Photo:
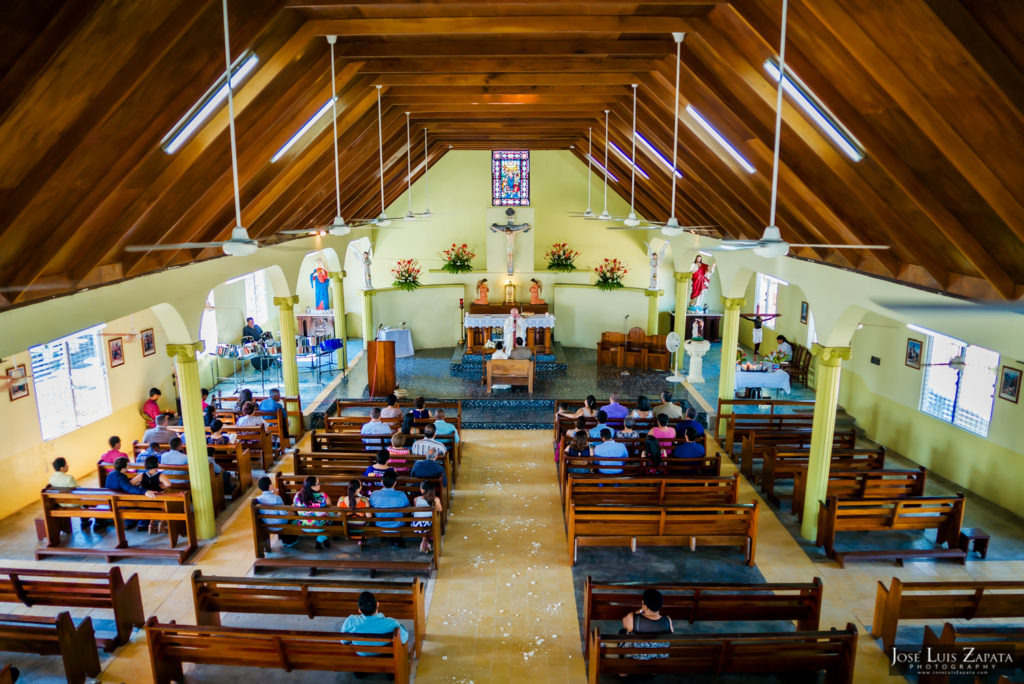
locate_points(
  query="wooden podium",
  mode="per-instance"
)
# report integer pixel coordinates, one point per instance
(380, 368)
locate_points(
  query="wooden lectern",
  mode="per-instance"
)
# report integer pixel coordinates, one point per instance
(381, 368)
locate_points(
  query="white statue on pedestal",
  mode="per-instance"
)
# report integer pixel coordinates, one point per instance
(365, 258)
(655, 258)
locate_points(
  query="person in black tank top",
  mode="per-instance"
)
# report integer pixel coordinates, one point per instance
(152, 480)
(648, 620)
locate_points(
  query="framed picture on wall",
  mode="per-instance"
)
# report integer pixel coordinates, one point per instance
(116, 347)
(914, 348)
(17, 380)
(1009, 384)
(803, 312)
(148, 342)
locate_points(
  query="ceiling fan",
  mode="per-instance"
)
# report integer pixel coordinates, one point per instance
(382, 221)
(957, 363)
(588, 214)
(771, 243)
(410, 215)
(338, 227)
(239, 244)
(426, 176)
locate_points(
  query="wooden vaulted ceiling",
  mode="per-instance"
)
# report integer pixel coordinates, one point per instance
(932, 89)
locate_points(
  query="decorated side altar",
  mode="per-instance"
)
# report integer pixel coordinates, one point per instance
(484, 327)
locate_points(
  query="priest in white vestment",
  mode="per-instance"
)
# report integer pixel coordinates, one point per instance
(515, 326)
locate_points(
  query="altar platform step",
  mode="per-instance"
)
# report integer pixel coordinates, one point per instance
(507, 411)
(471, 365)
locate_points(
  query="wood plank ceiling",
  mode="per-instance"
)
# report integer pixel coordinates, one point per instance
(932, 89)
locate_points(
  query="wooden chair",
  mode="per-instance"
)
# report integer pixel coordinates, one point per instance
(171, 645)
(54, 636)
(800, 365)
(658, 356)
(610, 349)
(510, 372)
(635, 352)
(70, 589)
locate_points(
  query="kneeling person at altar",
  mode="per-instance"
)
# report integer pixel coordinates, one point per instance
(520, 351)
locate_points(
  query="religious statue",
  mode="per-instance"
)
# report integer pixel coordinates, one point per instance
(320, 281)
(510, 229)
(367, 282)
(481, 291)
(535, 288)
(700, 280)
(655, 257)
(697, 331)
(513, 327)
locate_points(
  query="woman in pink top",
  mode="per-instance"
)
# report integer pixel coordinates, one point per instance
(398, 449)
(663, 432)
(115, 451)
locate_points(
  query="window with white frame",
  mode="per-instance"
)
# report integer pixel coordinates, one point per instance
(208, 325)
(70, 380)
(256, 296)
(767, 297)
(962, 397)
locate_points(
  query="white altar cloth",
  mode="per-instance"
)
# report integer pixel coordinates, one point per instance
(776, 379)
(498, 320)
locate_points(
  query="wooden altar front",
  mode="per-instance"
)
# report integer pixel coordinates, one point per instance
(507, 308)
(538, 339)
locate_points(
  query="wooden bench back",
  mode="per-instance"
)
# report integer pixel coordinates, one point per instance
(353, 464)
(510, 367)
(862, 484)
(780, 653)
(171, 645)
(942, 601)
(740, 423)
(177, 474)
(781, 463)
(637, 466)
(755, 444)
(54, 636)
(604, 490)
(452, 408)
(942, 513)
(352, 424)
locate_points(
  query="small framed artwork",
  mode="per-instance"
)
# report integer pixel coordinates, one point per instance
(17, 382)
(116, 347)
(148, 342)
(1009, 384)
(803, 312)
(914, 348)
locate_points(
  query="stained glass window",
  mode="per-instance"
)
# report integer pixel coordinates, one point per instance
(510, 178)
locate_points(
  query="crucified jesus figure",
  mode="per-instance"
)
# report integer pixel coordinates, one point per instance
(510, 229)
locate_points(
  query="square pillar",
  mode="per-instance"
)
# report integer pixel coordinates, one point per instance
(340, 324)
(289, 364)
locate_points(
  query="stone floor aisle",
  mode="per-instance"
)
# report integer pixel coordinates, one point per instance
(502, 607)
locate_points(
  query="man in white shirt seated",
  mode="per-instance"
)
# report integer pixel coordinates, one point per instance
(499, 352)
(375, 427)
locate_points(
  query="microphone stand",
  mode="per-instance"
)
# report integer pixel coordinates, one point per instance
(624, 323)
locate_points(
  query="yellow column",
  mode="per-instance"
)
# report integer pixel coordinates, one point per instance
(340, 325)
(187, 368)
(826, 400)
(367, 319)
(682, 298)
(652, 310)
(289, 365)
(730, 340)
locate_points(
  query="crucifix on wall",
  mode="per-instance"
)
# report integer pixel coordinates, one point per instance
(510, 229)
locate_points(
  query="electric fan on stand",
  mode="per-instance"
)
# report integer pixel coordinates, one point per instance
(672, 343)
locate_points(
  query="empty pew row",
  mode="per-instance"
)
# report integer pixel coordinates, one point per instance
(76, 645)
(741, 423)
(862, 484)
(757, 443)
(719, 525)
(314, 598)
(1002, 643)
(606, 490)
(944, 514)
(782, 464)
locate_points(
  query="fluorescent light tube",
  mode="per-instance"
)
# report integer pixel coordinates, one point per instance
(658, 155)
(719, 139)
(302, 131)
(191, 122)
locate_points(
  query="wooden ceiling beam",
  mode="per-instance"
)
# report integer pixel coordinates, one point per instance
(503, 26)
(405, 49)
(601, 92)
(467, 5)
(469, 65)
(505, 80)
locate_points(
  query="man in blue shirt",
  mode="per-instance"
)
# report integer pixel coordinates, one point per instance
(611, 452)
(369, 620)
(376, 428)
(689, 448)
(269, 497)
(429, 468)
(690, 422)
(441, 427)
(595, 432)
(389, 497)
(117, 481)
(614, 410)
(273, 402)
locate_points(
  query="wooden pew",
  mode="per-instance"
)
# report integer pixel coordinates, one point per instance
(783, 464)
(171, 645)
(452, 407)
(314, 598)
(726, 412)
(7, 675)
(337, 522)
(510, 372)
(352, 424)
(233, 457)
(69, 589)
(563, 425)
(741, 423)
(352, 464)
(177, 474)
(102, 504)
(863, 484)
(605, 490)
(336, 487)
(355, 442)
(663, 526)
(277, 423)
(709, 466)
(1004, 638)
(942, 600)
(757, 443)
(780, 653)
(708, 602)
(292, 409)
(945, 514)
(54, 636)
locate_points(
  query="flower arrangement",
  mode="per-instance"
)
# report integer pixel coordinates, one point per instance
(458, 259)
(609, 274)
(561, 257)
(776, 356)
(741, 358)
(407, 274)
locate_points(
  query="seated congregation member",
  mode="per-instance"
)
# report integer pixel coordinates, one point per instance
(273, 402)
(611, 453)
(443, 427)
(268, 496)
(663, 432)
(579, 447)
(380, 466)
(419, 410)
(500, 353)
(244, 396)
(628, 430)
(429, 468)
(61, 479)
(398, 451)
(648, 620)
(409, 426)
(353, 501)
(643, 408)
(151, 409)
(251, 330)
(374, 427)
(392, 410)
(785, 348)
(564, 411)
(602, 419)
(249, 417)
(117, 481)
(370, 620)
(174, 456)
(690, 422)
(520, 351)
(311, 497)
(589, 408)
(150, 450)
(426, 499)
(667, 407)
(159, 434)
(690, 448)
(655, 454)
(217, 434)
(427, 443)
(581, 426)
(152, 480)
(389, 497)
(209, 415)
(614, 410)
(115, 451)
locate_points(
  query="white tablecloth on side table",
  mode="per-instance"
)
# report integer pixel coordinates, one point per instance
(402, 337)
(776, 379)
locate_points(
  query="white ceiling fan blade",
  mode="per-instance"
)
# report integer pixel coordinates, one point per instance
(793, 244)
(172, 246)
(958, 307)
(308, 231)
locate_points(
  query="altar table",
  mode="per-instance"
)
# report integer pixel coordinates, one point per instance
(479, 327)
(776, 379)
(402, 337)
